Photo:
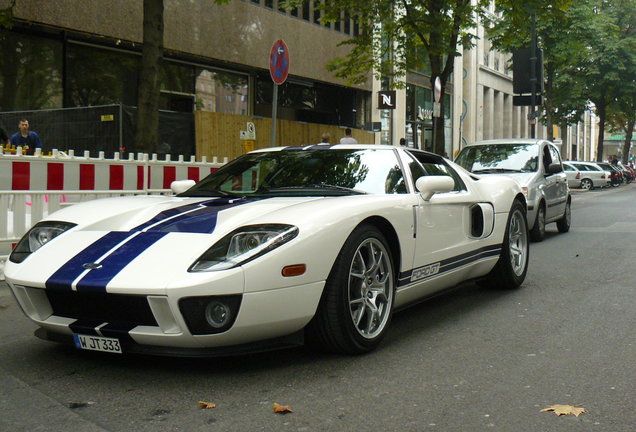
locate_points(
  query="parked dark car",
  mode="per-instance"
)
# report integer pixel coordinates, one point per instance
(628, 173)
(616, 176)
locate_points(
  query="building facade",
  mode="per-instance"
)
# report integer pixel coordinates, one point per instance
(59, 55)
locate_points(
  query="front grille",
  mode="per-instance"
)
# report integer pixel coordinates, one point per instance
(111, 308)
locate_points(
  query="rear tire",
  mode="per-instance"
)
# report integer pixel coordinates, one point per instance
(512, 267)
(537, 233)
(587, 184)
(357, 303)
(563, 224)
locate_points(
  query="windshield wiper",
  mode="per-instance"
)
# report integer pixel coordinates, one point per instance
(310, 188)
(213, 193)
(496, 170)
(336, 187)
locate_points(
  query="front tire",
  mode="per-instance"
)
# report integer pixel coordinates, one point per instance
(512, 267)
(563, 224)
(586, 184)
(357, 303)
(537, 233)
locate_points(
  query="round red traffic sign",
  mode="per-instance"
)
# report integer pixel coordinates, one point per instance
(279, 62)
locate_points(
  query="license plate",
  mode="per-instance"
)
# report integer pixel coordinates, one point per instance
(97, 343)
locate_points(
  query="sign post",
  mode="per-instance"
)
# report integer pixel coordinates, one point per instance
(437, 96)
(278, 70)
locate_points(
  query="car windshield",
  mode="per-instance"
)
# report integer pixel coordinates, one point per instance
(499, 158)
(314, 172)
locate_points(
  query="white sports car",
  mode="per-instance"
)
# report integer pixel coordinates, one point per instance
(324, 241)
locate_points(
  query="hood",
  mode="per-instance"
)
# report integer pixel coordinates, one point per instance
(165, 234)
(170, 214)
(524, 178)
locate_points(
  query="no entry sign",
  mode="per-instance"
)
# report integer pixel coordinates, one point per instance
(279, 62)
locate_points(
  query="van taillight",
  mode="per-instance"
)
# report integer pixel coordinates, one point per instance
(578, 175)
(603, 176)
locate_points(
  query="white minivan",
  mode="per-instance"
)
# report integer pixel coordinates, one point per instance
(536, 165)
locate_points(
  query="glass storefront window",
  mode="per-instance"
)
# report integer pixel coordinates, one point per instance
(30, 72)
(177, 77)
(98, 76)
(221, 91)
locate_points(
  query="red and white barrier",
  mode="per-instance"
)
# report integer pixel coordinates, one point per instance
(31, 187)
(67, 172)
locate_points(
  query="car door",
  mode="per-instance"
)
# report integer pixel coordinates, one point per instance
(444, 251)
(556, 185)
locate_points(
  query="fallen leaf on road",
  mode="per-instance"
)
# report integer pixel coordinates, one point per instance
(207, 405)
(282, 409)
(565, 410)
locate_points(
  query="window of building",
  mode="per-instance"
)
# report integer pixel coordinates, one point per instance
(337, 24)
(347, 23)
(306, 10)
(269, 4)
(313, 102)
(221, 91)
(31, 72)
(97, 76)
(317, 12)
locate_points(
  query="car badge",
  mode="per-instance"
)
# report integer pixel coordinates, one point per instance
(92, 266)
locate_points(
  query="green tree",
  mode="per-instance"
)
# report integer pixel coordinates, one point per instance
(608, 65)
(558, 29)
(391, 32)
(6, 15)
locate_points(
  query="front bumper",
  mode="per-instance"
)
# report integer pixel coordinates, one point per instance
(289, 341)
(155, 324)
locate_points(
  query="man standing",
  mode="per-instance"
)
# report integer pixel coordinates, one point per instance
(348, 139)
(26, 139)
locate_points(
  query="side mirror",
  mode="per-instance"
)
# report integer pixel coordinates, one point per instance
(180, 186)
(430, 185)
(554, 168)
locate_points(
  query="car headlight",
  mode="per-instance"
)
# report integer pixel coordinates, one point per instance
(243, 245)
(38, 236)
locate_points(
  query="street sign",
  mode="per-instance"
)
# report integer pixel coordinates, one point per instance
(279, 62)
(386, 99)
(525, 100)
(250, 133)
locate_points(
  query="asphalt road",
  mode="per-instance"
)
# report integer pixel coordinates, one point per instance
(472, 360)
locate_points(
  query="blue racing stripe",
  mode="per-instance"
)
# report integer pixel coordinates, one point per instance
(202, 220)
(96, 280)
(65, 275)
(200, 217)
(170, 213)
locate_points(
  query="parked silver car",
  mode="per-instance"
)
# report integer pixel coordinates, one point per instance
(573, 174)
(536, 165)
(592, 175)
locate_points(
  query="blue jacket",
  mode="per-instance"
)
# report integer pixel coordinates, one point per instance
(31, 141)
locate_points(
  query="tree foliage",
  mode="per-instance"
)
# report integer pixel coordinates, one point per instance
(400, 35)
(588, 46)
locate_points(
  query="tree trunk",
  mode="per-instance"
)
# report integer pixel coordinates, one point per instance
(565, 138)
(628, 139)
(549, 106)
(147, 131)
(600, 109)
